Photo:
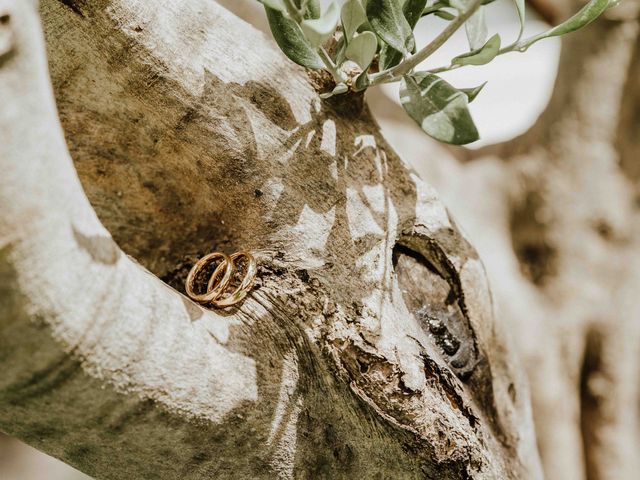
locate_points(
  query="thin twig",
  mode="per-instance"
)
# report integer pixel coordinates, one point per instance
(293, 11)
(331, 67)
(517, 46)
(410, 63)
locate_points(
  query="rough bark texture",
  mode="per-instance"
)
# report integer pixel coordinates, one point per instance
(554, 215)
(369, 349)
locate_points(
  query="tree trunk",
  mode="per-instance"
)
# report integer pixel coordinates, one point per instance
(554, 214)
(369, 348)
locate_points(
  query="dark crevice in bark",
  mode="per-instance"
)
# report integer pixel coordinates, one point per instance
(432, 370)
(431, 295)
(435, 302)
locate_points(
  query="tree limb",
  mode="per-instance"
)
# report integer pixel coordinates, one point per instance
(188, 140)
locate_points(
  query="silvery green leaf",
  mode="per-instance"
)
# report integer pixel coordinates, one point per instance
(389, 23)
(389, 57)
(362, 49)
(311, 8)
(412, 10)
(317, 30)
(472, 93)
(353, 16)
(476, 29)
(480, 56)
(435, 6)
(444, 15)
(341, 47)
(338, 89)
(437, 9)
(292, 41)
(585, 16)
(440, 109)
(362, 81)
(275, 5)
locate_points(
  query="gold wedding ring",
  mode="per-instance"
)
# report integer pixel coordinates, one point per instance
(216, 287)
(247, 281)
(214, 293)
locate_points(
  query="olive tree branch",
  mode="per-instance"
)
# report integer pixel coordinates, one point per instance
(518, 46)
(404, 67)
(331, 67)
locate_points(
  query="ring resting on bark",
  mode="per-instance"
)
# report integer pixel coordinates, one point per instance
(219, 281)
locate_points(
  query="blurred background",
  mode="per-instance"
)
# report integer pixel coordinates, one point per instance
(21, 462)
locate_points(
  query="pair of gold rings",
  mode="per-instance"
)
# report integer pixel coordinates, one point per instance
(217, 286)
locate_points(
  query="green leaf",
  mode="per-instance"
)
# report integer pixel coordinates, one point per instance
(362, 49)
(353, 16)
(476, 29)
(389, 23)
(585, 16)
(292, 41)
(338, 89)
(317, 30)
(480, 56)
(389, 57)
(472, 93)
(476, 26)
(435, 7)
(311, 7)
(341, 47)
(440, 109)
(412, 10)
(362, 81)
(444, 14)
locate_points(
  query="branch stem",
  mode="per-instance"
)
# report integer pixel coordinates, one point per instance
(298, 17)
(331, 67)
(293, 11)
(404, 67)
(518, 46)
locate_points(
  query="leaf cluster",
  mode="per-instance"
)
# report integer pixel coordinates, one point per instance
(368, 42)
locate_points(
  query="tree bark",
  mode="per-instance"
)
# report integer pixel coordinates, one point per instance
(554, 215)
(369, 348)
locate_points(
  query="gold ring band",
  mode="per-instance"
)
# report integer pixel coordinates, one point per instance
(225, 269)
(245, 286)
(212, 293)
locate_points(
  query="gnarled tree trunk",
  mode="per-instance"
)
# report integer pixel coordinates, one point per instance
(554, 215)
(369, 348)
